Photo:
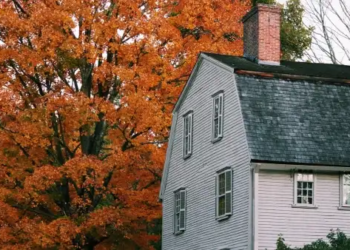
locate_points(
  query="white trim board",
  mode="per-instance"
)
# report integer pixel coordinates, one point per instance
(287, 167)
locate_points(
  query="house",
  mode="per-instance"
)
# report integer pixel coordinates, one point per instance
(258, 147)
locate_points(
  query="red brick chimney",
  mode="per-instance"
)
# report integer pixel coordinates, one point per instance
(262, 34)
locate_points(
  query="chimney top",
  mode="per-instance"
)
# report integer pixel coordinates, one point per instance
(262, 34)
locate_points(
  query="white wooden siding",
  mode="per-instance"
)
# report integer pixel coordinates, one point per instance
(197, 173)
(299, 226)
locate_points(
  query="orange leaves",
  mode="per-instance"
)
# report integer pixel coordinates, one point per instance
(42, 179)
(86, 94)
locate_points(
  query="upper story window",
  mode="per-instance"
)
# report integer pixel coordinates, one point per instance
(218, 110)
(304, 193)
(179, 210)
(187, 140)
(224, 193)
(345, 190)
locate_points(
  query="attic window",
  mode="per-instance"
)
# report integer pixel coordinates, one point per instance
(218, 110)
(187, 139)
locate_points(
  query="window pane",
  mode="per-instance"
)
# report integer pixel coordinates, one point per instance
(346, 195)
(228, 202)
(221, 183)
(346, 179)
(299, 200)
(182, 219)
(221, 205)
(182, 199)
(299, 177)
(216, 127)
(216, 107)
(310, 200)
(220, 126)
(228, 180)
(304, 184)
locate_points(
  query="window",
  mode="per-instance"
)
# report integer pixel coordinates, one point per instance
(305, 189)
(224, 193)
(188, 123)
(345, 190)
(218, 106)
(179, 211)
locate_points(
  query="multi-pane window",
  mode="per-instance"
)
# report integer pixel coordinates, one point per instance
(188, 124)
(305, 187)
(179, 211)
(346, 190)
(224, 193)
(218, 101)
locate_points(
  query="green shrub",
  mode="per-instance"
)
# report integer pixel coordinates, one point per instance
(337, 240)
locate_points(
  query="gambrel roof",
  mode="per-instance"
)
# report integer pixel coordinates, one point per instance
(293, 113)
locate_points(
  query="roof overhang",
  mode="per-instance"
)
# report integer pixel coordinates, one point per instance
(295, 166)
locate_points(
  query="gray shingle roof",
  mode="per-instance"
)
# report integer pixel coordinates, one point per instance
(287, 67)
(296, 121)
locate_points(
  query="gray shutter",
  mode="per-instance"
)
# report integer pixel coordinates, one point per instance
(182, 209)
(228, 195)
(191, 133)
(174, 213)
(221, 112)
(216, 195)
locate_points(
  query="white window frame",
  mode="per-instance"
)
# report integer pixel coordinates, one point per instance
(188, 138)
(304, 205)
(342, 182)
(220, 125)
(179, 210)
(229, 193)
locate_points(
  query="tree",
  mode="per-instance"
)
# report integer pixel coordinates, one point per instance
(331, 37)
(295, 36)
(86, 93)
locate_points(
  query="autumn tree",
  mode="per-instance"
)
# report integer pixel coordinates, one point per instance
(86, 92)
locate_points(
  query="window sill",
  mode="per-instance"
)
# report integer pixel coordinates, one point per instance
(179, 232)
(216, 139)
(187, 156)
(344, 208)
(304, 206)
(223, 217)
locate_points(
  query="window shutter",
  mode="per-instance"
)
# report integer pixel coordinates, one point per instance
(216, 196)
(190, 126)
(174, 213)
(228, 194)
(182, 209)
(221, 106)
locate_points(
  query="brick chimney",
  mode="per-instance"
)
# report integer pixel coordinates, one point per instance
(262, 34)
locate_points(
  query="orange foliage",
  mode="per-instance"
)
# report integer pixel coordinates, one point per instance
(86, 93)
